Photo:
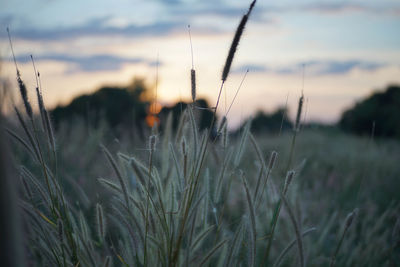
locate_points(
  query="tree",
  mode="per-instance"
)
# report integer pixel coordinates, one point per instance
(117, 106)
(202, 112)
(383, 108)
(263, 122)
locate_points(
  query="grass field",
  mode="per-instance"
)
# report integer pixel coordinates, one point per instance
(335, 173)
(308, 197)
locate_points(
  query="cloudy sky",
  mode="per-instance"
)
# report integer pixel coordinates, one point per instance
(348, 49)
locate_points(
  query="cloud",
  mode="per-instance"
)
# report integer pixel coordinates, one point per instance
(315, 67)
(176, 15)
(334, 8)
(205, 7)
(91, 63)
(99, 27)
(342, 67)
(223, 11)
(252, 68)
(6, 19)
(95, 29)
(226, 9)
(169, 2)
(337, 8)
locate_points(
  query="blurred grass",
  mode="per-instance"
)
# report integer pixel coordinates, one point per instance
(341, 172)
(338, 165)
(332, 167)
(186, 199)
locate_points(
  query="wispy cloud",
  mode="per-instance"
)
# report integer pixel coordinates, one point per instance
(342, 67)
(315, 67)
(205, 7)
(343, 7)
(335, 8)
(98, 27)
(252, 68)
(91, 29)
(176, 16)
(6, 19)
(225, 8)
(178, 13)
(91, 63)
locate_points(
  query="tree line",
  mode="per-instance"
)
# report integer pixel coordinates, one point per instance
(130, 107)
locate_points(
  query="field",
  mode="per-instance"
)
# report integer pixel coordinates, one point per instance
(335, 174)
(181, 196)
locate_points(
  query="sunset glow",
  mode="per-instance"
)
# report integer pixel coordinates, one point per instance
(349, 49)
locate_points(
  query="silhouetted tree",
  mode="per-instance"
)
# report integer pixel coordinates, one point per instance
(202, 113)
(271, 123)
(383, 108)
(117, 106)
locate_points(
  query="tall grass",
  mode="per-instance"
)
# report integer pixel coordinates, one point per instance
(187, 200)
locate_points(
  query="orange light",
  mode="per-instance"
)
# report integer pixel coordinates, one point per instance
(154, 108)
(151, 120)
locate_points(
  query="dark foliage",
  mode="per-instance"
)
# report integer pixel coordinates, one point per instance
(264, 122)
(202, 112)
(117, 106)
(383, 108)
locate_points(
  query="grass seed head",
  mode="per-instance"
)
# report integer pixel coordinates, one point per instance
(193, 83)
(298, 116)
(288, 180)
(24, 96)
(235, 42)
(272, 160)
(60, 231)
(184, 149)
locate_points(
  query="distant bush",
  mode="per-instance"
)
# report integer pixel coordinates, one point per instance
(270, 122)
(204, 113)
(114, 105)
(124, 108)
(383, 108)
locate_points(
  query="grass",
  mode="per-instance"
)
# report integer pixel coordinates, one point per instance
(321, 195)
(187, 199)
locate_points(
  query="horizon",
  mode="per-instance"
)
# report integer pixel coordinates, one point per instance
(349, 50)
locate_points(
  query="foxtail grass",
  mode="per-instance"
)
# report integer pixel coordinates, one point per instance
(193, 84)
(347, 224)
(179, 204)
(235, 42)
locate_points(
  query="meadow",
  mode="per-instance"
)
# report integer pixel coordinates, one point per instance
(335, 174)
(185, 197)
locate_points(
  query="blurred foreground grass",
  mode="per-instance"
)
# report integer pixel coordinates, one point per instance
(336, 173)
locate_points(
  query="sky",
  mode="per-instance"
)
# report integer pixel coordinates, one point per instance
(335, 52)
